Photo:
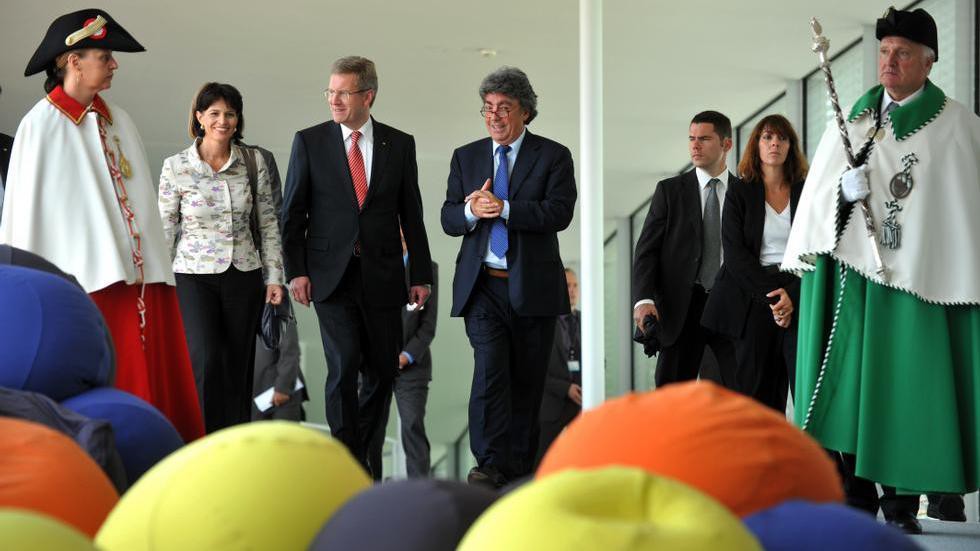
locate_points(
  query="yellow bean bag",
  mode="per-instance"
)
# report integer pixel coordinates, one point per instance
(612, 509)
(265, 485)
(22, 530)
(730, 447)
(45, 471)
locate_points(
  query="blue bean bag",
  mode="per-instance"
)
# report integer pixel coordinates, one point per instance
(803, 526)
(417, 515)
(52, 336)
(143, 435)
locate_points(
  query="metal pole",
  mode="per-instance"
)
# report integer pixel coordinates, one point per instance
(590, 202)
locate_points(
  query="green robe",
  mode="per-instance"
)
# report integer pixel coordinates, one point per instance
(900, 385)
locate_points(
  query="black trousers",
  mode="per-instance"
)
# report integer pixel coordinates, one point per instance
(221, 314)
(681, 361)
(510, 355)
(861, 493)
(765, 358)
(358, 339)
(411, 393)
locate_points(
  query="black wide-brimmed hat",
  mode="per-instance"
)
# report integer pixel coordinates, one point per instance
(89, 28)
(916, 25)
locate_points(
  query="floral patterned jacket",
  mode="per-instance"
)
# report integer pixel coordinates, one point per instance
(211, 211)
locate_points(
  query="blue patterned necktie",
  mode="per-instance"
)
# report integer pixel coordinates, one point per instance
(501, 189)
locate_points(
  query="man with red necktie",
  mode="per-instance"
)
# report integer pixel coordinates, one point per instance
(351, 182)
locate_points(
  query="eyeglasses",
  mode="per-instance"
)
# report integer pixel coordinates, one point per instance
(344, 94)
(501, 111)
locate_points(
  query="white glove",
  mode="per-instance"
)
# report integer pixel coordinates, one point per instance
(854, 184)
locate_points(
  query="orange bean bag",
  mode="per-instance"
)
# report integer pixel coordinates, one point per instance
(44, 471)
(730, 447)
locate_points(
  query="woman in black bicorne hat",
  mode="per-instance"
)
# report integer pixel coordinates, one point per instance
(79, 193)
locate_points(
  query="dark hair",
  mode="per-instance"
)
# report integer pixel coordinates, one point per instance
(57, 69)
(512, 82)
(361, 67)
(795, 167)
(723, 126)
(206, 96)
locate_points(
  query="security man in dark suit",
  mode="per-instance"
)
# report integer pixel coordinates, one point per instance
(508, 197)
(6, 144)
(562, 399)
(679, 253)
(351, 182)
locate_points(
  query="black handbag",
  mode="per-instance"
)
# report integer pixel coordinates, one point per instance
(270, 327)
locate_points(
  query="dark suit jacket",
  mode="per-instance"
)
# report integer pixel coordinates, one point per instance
(6, 144)
(668, 253)
(418, 330)
(555, 403)
(321, 222)
(742, 279)
(542, 201)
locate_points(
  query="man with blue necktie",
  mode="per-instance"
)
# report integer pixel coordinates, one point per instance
(508, 197)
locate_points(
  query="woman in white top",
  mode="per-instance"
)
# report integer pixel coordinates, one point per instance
(752, 301)
(227, 261)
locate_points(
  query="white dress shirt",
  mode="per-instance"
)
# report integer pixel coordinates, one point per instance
(887, 99)
(365, 144)
(489, 258)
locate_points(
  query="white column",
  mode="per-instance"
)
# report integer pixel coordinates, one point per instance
(590, 201)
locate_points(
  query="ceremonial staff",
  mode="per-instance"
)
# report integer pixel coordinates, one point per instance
(820, 47)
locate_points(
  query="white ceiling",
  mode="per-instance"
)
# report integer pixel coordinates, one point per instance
(664, 61)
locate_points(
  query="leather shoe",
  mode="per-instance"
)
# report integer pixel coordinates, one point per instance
(906, 523)
(487, 476)
(948, 507)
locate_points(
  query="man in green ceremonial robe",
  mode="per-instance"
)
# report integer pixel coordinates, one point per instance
(888, 367)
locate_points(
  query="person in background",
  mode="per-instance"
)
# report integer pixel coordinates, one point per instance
(411, 386)
(206, 203)
(79, 194)
(562, 399)
(752, 301)
(278, 368)
(6, 143)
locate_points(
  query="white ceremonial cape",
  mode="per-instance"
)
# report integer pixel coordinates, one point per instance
(939, 256)
(61, 202)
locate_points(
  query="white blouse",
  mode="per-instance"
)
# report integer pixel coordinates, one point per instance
(775, 233)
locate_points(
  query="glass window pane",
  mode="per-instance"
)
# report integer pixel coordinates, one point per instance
(848, 77)
(944, 71)
(611, 276)
(642, 366)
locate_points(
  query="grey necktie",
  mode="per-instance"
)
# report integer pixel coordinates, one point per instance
(888, 110)
(710, 237)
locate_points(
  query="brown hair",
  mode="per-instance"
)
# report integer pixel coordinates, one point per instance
(750, 167)
(58, 68)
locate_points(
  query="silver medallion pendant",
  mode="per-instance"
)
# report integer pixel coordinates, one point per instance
(900, 187)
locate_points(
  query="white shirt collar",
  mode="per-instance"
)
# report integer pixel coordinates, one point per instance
(195, 157)
(514, 147)
(887, 99)
(367, 131)
(704, 177)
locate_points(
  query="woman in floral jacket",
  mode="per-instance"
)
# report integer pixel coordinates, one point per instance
(206, 204)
